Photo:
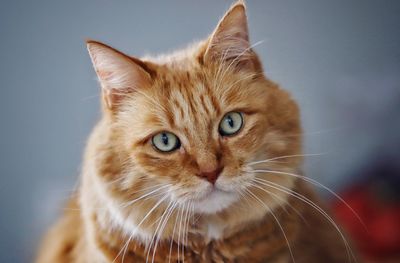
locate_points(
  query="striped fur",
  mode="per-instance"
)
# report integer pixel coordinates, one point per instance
(187, 93)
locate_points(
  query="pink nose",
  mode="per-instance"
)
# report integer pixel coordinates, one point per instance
(211, 176)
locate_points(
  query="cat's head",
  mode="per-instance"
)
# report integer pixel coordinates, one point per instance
(186, 126)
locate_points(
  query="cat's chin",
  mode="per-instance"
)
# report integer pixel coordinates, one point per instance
(214, 201)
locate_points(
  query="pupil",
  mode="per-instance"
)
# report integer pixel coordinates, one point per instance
(164, 138)
(230, 121)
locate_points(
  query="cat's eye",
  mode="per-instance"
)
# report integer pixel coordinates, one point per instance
(165, 141)
(231, 123)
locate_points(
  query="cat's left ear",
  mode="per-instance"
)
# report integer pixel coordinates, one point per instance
(230, 40)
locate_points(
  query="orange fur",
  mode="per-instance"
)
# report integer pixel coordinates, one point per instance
(188, 93)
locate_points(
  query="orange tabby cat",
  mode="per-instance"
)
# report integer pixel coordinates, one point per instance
(196, 159)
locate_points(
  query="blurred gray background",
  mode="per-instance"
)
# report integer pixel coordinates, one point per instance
(340, 59)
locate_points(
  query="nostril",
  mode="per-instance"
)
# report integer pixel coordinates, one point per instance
(213, 175)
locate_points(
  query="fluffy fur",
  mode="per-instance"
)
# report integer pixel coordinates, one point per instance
(136, 204)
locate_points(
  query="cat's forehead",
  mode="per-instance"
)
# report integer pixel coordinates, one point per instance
(189, 98)
(182, 59)
(174, 79)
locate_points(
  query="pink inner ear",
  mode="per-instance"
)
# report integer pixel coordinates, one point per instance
(102, 74)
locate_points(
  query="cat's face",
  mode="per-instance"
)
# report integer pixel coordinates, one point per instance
(196, 133)
(190, 124)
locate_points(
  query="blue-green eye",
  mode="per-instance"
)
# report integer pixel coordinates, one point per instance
(165, 142)
(231, 123)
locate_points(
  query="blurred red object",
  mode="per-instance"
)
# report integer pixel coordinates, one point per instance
(377, 204)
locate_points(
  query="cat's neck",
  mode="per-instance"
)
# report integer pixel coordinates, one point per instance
(260, 239)
(204, 235)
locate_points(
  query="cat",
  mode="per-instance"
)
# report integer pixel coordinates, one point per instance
(197, 158)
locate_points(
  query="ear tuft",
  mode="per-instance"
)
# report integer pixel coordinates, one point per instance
(118, 73)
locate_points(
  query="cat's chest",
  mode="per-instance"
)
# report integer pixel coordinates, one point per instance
(214, 231)
(209, 230)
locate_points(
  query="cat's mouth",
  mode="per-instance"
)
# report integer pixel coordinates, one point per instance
(212, 190)
(213, 200)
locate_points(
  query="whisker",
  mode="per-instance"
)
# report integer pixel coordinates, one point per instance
(318, 184)
(90, 97)
(159, 220)
(145, 195)
(173, 235)
(183, 233)
(276, 219)
(179, 232)
(239, 56)
(117, 180)
(287, 156)
(125, 247)
(127, 203)
(284, 201)
(186, 227)
(306, 200)
(165, 223)
(166, 211)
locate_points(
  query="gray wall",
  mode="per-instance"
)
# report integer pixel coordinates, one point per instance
(340, 59)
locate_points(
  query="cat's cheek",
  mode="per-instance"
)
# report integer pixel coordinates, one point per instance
(276, 142)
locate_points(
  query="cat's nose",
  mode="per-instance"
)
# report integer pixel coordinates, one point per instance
(212, 175)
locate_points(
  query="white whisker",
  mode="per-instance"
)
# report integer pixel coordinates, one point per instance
(316, 183)
(160, 223)
(145, 195)
(125, 247)
(179, 231)
(283, 201)
(306, 200)
(173, 235)
(286, 156)
(276, 219)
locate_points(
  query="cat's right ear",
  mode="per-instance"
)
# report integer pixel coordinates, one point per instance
(118, 73)
(230, 41)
